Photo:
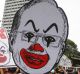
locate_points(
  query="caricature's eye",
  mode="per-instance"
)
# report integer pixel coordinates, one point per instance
(49, 39)
(29, 35)
(3, 51)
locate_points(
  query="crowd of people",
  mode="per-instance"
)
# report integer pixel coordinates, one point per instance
(63, 70)
(13, 70)
(57, 70)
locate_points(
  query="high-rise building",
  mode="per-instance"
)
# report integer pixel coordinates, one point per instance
(11, 7)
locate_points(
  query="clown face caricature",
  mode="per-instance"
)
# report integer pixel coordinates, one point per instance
(38, 36)
(4, 54)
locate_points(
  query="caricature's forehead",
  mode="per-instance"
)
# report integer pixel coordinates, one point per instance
(43, 15)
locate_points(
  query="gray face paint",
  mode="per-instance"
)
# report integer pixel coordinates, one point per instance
(40, 38)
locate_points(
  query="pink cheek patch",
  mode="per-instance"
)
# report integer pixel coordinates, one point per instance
(2, 58)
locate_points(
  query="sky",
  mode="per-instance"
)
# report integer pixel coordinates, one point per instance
(72, 10)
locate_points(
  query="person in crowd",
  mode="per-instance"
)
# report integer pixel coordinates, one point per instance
(70, 70)
(60, 70)
(78, 70)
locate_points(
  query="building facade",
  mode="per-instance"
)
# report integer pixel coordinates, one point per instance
(11, 7)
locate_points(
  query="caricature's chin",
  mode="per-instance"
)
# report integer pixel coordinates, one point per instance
(33, 60)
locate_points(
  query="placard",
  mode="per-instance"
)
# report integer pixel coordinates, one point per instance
(5, 55)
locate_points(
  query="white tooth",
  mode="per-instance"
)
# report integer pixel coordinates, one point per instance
(37, 52)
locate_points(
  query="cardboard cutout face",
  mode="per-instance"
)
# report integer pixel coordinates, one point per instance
(4, 47)
(39, 39)
(4, 54)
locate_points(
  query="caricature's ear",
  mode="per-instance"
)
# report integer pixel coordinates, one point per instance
(66, 27)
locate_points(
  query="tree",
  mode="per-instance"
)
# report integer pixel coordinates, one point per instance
(70, 49)
(72, 52)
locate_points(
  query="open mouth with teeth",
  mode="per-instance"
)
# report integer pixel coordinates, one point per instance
(34, 60)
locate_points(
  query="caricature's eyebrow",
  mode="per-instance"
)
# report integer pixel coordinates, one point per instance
(31, 21)
(52, 25)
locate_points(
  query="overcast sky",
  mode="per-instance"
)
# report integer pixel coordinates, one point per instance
(72, 10)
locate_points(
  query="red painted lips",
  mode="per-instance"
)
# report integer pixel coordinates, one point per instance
(33, 60)
(2, 58)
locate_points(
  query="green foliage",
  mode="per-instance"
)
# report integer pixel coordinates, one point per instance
(71, 50)
(71, 45)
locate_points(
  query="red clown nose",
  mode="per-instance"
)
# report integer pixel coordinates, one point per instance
(36, 47)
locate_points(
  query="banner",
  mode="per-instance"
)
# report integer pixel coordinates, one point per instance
(5, 55)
